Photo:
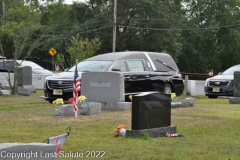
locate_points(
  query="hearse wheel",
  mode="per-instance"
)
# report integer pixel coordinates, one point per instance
(167, 89)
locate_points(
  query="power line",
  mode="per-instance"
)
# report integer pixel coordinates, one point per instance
(180, 29)
(153, 29)
(174, 18)
(91, 30)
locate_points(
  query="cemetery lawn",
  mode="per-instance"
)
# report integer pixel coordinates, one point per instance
(211, 130)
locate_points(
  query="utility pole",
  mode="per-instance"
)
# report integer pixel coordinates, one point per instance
(3, 13)
(114, 25)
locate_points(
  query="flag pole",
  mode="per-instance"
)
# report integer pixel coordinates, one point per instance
(76, 89)
(76, 111)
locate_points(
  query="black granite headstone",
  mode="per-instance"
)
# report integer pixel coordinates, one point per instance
(151, 110)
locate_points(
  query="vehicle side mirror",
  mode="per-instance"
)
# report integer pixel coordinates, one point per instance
(66, 69)
(116, 69)
(219, 73)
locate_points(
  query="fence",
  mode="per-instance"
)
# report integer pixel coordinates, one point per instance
(194, 83)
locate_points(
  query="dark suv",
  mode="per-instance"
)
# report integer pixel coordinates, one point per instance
(143, 71)
(221, 84)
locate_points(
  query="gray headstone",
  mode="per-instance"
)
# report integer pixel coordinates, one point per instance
(23, 91)
(24, 75)
(117, 105)
(4, 92)
(103, 86)
(234, 100)
(188, 102)
(65, 110)
(92, 108)
(24, 151)
(236, 81)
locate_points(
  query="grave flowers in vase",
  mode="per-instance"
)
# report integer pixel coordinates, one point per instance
(59, 102)
(174, 97)
(88, 108)
(174, 101)
(83, 101)
(63, 109)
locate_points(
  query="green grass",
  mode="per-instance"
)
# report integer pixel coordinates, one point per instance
(210, 128)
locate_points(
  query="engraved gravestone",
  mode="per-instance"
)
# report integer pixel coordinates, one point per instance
(236, 81)
(103, 86)
(151, 110)
(236, 89)
(25, 151)
(24, 80)
(151, 114)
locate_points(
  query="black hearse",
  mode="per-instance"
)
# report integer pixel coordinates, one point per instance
(143, 71)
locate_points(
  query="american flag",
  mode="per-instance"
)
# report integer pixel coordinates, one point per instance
(76, 89)
(210, 73)
(58, 141)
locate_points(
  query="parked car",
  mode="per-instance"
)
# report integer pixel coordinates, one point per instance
(36, 69)
(221, 84)
(143, 71)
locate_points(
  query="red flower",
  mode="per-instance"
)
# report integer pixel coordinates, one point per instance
(70, 101)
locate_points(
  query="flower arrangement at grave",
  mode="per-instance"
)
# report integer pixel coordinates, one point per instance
(82, 100)
(130, 97)
(59, 102)
(173, 135)
(120, 131)
(70, 101)
(174, 97)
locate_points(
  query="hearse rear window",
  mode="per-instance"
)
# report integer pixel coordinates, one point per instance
(135, 66)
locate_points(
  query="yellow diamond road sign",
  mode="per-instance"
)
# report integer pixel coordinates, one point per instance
(52, 52)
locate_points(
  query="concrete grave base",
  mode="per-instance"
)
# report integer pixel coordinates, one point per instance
(153, 132)
(92, 108)
(116, 105)
(188, 102)
(30, 87)
(23, 91)
(65, 110)
(4, 92)
(176, 104)
(234, 100)
(23, 151)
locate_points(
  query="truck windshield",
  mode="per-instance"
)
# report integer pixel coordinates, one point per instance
(86, 66)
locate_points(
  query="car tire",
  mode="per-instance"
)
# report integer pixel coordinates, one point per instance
(212, 96)
(50, 100)
(167, 89)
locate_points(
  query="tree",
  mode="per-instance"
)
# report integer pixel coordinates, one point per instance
(81, 49)
(141, 24)
(211, 37)
(24, 37)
